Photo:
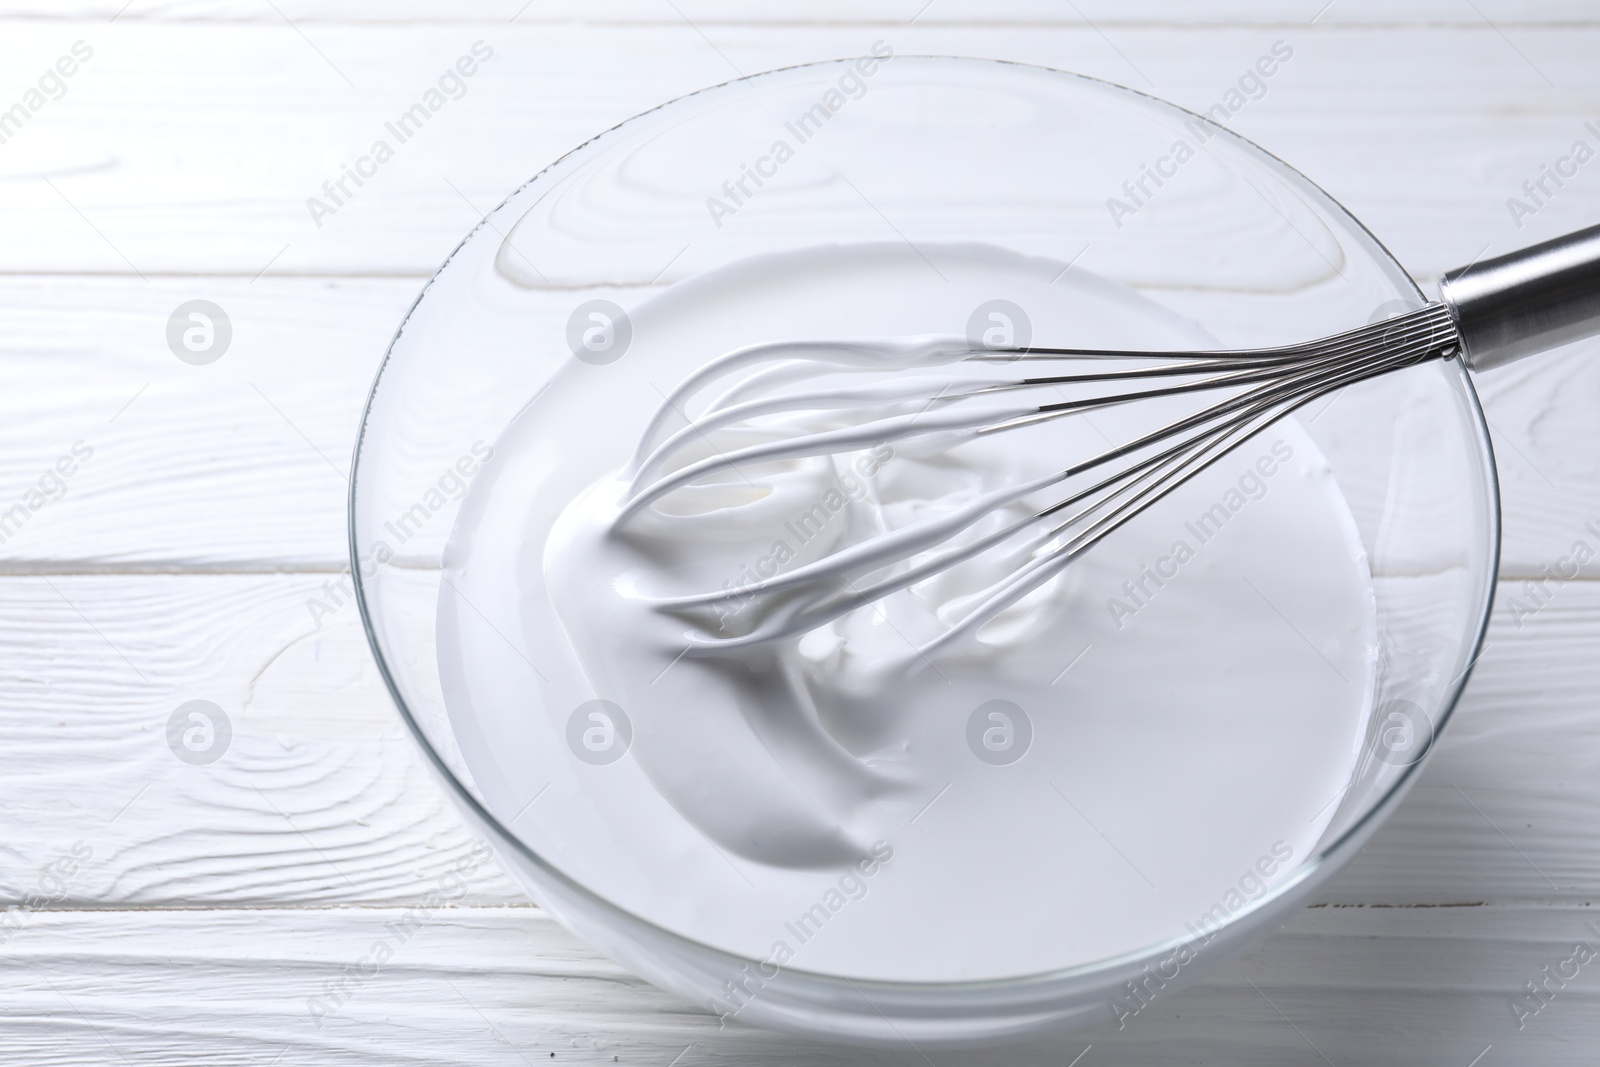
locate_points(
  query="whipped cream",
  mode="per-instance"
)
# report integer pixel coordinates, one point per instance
(1078, 778)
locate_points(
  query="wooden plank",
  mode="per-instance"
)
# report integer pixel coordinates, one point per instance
(1510, 779)
(1167, 13)
(320, 796)
(145, 181)
(495, 986)
(241, 464)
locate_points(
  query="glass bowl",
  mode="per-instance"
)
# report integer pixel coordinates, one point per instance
(930, 153)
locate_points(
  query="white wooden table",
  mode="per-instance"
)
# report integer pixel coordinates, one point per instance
(187, 914)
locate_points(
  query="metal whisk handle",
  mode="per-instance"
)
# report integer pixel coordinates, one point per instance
(1527, 301)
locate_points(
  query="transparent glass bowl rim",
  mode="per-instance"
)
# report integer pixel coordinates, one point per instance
(1334, 852)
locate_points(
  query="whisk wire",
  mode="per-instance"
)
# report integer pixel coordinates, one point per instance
(1265, 385)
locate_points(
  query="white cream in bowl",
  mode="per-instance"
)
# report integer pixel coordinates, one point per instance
(1158, 733)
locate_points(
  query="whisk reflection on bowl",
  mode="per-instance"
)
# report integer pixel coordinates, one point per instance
(1490, 313)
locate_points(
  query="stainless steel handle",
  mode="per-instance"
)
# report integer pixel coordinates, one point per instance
(1528, 301)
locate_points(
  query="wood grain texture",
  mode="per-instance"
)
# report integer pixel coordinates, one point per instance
(321, 797)
(239, 465)
(1397, 987)
(238, 125)
(1166, 13)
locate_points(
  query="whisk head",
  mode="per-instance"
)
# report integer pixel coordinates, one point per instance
(792, 400)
